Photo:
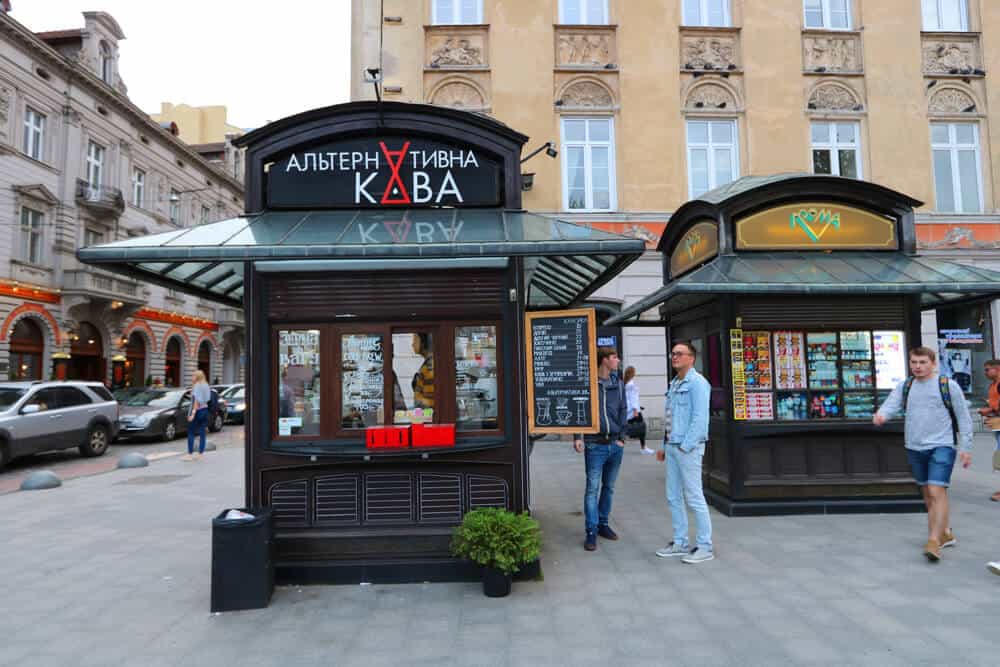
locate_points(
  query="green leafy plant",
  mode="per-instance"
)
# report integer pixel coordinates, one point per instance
(497, 538)
(149, 380)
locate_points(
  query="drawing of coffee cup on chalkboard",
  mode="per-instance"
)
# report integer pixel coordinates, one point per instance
(581, 412)
(542, 415)
(563, 411)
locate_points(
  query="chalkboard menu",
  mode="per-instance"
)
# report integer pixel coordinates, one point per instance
(562, 373)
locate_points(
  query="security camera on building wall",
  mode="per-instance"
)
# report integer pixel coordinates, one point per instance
(373, 75)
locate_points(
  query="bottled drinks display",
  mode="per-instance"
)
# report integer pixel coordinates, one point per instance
(757, 359)
(824, 405)
(793, 406)
(859, 406)
(822, 353)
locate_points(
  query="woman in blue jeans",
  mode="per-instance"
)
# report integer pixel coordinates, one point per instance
(197, 418)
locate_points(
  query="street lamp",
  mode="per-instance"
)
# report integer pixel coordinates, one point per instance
(528, 178)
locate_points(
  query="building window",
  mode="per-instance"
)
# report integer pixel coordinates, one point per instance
(447, 12)
(828, 14)
(92, 237)
(31, 235)
(107, 62)
(957, 176)
(175, 207)
(206, 212)
(713, 154)
(138, 187)
(588, 164)
(298, 382)
(476, 384)
(34, 134)
(237, 164)
(95, 164)
(946, 15)
(706, 12)
(590, 12)
(836, 149)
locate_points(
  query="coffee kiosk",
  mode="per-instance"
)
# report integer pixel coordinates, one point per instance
(802, 294)
(384, 265)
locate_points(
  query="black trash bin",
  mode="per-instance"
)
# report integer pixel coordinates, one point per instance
(242, 560)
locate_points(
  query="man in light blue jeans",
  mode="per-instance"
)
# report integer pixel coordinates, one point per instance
(683, 449)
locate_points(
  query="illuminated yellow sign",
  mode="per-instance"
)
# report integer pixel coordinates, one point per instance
(698, 244)
(816, 226)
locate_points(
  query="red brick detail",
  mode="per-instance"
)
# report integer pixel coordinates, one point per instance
(30, 293)
(177, 331)
(177, 318)
(145, 328)
(205, 336)
(35, 309)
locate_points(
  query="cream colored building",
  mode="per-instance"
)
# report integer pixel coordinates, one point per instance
(80, 165)
(207, 130)
(652, 102)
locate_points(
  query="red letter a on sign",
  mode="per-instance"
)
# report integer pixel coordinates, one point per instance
(401, 196)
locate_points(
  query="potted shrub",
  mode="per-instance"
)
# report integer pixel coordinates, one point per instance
(500, 541)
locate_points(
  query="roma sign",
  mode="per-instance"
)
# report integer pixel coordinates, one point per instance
(816, 226)
(384, 172)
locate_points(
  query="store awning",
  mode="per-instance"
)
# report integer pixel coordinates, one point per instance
(937, 281)
(568, 262)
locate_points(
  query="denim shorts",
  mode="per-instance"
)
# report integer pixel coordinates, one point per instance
(932, 466)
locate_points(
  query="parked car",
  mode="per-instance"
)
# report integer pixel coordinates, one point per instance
(46, 416)
(161, 413)
(237, 404)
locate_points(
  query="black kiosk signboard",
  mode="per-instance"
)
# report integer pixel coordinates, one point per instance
(562, 377)
(385, 269)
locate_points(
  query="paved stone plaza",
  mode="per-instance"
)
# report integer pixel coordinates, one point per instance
(113, 569)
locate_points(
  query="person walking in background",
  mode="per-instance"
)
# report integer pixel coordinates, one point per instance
(992, 410)
(937, 425)
(688, 398)
(636, 424)
(197, 418)
(603, 450)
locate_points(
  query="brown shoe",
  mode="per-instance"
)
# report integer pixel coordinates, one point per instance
(932, 550)
(949, 539)
(590, 542)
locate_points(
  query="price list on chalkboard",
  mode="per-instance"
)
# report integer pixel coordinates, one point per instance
(561, 362)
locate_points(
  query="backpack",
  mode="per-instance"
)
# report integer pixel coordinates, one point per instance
(945, 388)
(213, 402)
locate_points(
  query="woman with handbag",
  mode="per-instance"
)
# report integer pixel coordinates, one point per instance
(992, 411)
(636, 427)
(197, 418)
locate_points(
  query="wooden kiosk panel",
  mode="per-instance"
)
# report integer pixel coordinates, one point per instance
(562, 377)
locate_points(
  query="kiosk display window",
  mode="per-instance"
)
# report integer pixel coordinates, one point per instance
(299, 382)
(790, 362)
(361, 380)
(476, 377)
(413, 395)
(821, 353)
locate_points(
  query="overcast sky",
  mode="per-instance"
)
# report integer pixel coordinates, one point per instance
(262, 59)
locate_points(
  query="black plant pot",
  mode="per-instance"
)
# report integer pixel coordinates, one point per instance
(496, 584)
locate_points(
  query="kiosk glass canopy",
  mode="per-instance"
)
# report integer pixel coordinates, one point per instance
(567, 261)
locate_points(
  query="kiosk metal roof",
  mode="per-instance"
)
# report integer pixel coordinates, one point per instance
(938, 281)
(568, 262)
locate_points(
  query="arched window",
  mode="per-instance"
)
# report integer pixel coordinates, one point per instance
(87, 354)
(26, 348)
(172, 369)
(135, 360)
(205, 359)
(107, 63)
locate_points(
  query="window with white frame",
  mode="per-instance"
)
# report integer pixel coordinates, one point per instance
(138, 187)
(34, 134)
(451, 12)
(946, 15)
(589, 12)
(95, 164)
(206, 212)
(706, 12)
(828, 14)
(175, 207)
(588, 168)
(92, 237)
(31, 235)
(957, 175)
(836, 148)
(712, 154)
(107, 63)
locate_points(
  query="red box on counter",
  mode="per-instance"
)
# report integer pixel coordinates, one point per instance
(432, 435)
(387, 437)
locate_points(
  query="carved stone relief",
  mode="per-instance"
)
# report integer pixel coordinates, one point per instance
(951, 100)
(832, 54)
(950, 58)
(710, 96)
(460, 95)
(587, 94)
(831, 97)
(699, 52)
(457, 51)
(5, 94)
(584, 49)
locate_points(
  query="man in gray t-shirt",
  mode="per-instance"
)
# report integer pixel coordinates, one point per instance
(932, 440)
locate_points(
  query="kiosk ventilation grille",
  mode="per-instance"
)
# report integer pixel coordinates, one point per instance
(289, 502)
(842, 314)
(487, 492)
(338, 500)
(388, 498)
(440, 498)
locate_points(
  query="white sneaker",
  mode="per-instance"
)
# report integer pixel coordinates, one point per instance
(187, 457)
(672, 550)
(993, 567)
(197, 457)
(698, 556)
(647, 450)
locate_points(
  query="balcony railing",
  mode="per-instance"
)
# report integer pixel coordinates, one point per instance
(91, 283)
(100, 198)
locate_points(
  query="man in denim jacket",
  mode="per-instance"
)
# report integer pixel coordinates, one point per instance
(683, 449)
(603, 450)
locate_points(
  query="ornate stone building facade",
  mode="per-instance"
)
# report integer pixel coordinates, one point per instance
(652, 103)
(80, 165)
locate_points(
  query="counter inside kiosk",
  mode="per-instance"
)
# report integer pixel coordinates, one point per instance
(802, 294)
(384, 267)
